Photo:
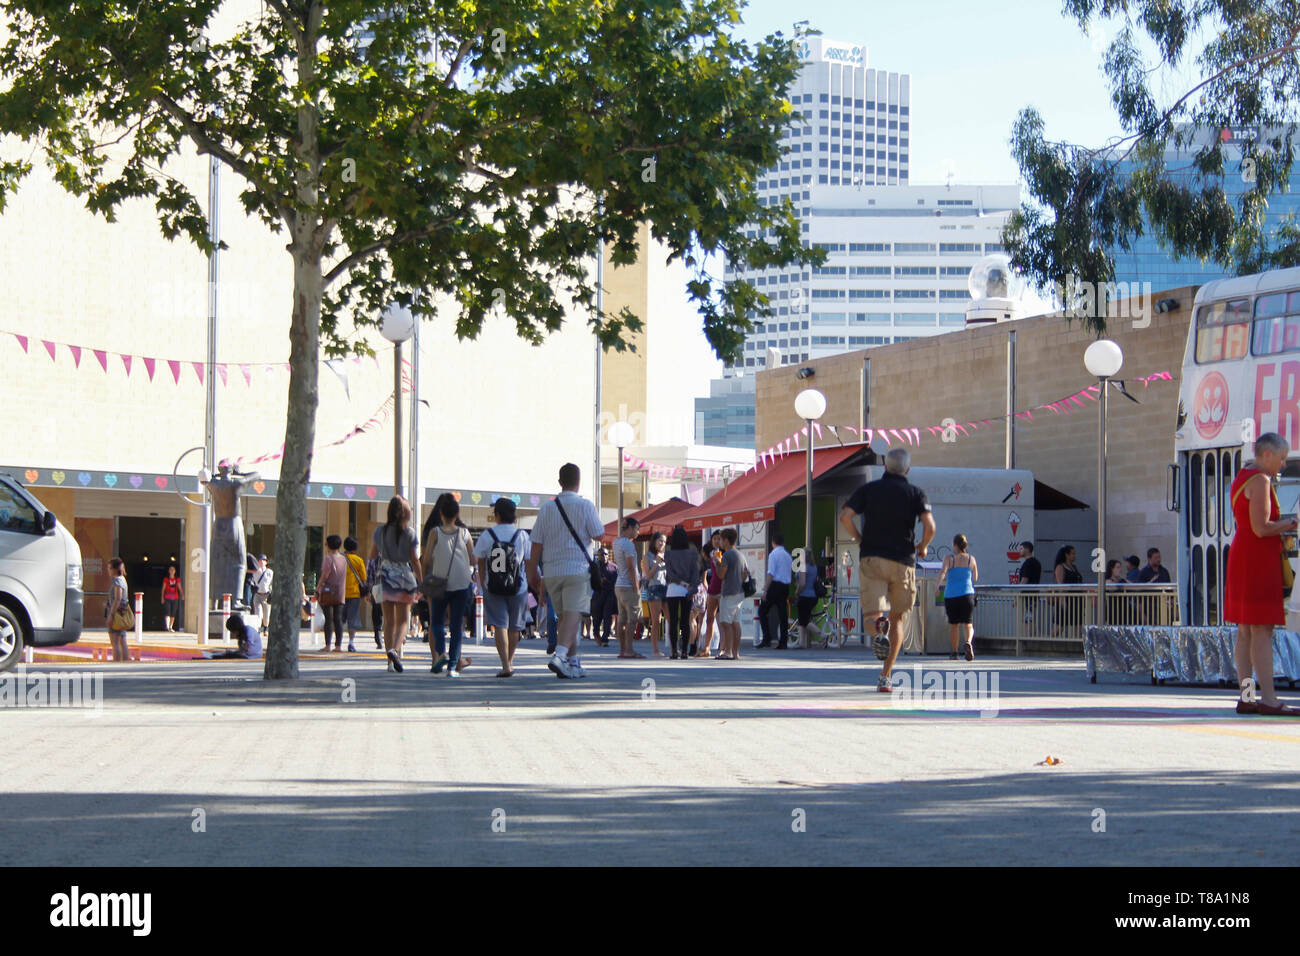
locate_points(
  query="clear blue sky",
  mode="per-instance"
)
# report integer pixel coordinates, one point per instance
(974, 66)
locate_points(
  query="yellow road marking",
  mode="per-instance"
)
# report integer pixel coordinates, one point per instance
(1254, 734)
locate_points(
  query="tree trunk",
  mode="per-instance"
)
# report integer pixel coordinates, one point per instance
(295, 466)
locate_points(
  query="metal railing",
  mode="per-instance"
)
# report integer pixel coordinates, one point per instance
(1061, 612)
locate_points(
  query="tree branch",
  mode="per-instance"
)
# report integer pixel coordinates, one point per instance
(378, 245)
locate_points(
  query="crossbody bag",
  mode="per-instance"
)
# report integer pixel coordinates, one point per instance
(591, 562)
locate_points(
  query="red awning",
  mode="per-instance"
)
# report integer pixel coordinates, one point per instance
(754, 495)
(647, 515)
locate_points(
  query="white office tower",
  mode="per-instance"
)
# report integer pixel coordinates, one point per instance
(898, 255)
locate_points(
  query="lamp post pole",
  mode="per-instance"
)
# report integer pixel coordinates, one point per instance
(810, 405)
(1103, 359)
(397, 418)
(210, 398)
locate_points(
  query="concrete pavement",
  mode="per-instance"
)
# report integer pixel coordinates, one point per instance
(784, 757)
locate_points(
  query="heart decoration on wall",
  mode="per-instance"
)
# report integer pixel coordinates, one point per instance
(84, 478)
(456, 495)
(58, 477)
(476, 497)
(110, 480)
(516, 498)
(532, 499)
(31, 475)
(371, 492)
(327, 490)
(136, 481)
(259, 486)
(161, 482)
(349, 491)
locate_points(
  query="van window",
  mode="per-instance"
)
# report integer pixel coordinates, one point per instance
(1222, 331)
(17, 513)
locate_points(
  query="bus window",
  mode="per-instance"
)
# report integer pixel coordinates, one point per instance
(1223, 330)
(1194, 494)
(1211, 494)
(1197, 592)
(1226, 475)
(1277, 326)
(1211, 585)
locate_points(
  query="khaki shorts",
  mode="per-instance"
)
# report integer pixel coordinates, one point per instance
(570, 593)
(886, 585)
(629, 605)
(729, 608)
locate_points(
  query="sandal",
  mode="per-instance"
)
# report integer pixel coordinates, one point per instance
(505, 673)
(439, 664)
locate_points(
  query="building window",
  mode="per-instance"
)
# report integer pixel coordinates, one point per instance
(958, 248)
(914, 270)
(913, 248)
(868, 293)
(953, 294)
(913, 293)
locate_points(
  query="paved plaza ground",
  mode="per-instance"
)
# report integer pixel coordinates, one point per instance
(719, 765)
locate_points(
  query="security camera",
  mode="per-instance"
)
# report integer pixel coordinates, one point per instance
(804, 373)
(1166, 305)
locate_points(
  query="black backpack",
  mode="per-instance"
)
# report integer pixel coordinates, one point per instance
(503, 566)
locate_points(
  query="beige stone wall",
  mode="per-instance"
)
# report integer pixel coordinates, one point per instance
(962, 375)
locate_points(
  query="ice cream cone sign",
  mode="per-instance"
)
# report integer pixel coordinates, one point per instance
(848, 568)
(1013, 519)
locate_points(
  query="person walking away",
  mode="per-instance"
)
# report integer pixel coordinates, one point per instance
(654, 567)
(808, 596)
(776, 593)
(118, 616)
(394, 544)
(713, 591)
(890, 507)
(561, 543)
(262, 580)
(958, 577)
(353, 588)
(172, 594)
(447, 561)
(331, 589)
(731, 595)
(501, 552)
(1253, 585)
(1153, 572)
(627, 588)
(682, 564)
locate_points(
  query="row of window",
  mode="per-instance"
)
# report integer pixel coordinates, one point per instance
(1224, 329)
(835, 99)
(884, 318)
(945, 295)
(913, 248)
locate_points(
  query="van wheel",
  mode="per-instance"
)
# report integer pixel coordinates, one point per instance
(11, 639)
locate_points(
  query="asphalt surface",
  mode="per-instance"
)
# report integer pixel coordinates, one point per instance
(782, 758)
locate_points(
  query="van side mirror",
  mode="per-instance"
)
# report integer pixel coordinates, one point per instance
(49, 521)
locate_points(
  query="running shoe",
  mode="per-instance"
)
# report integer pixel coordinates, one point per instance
(575, 668)
(562, 668)
(885, 685)
(395, 661)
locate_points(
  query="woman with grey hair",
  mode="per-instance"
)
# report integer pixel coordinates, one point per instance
(1253, 583)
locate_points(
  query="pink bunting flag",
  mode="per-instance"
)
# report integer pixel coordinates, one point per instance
(933, 429)
(867, 433)
(894, 432)
(49, 347)
(76, 355)
(126, 363)
(852, 429)
(22, 340)
(247, 372)
(198, 370)
(221, 370)
(149, 364)
(964, 431)
(176, 370)
(916, 435)
(102, 357)
(817, 428)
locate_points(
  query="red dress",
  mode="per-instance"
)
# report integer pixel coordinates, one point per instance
(1253, 584)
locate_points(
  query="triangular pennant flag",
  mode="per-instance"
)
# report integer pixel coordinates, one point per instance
(126, 363)
(149, 364)
(102, 357)
(852, 429)
(49, 347)
(247, 371)
(198, 370)
(894, 432)
(867, 434)
(76, 355)
(176, 370)
(817, 427)
(22, 340)
(916, 434)
(339, 367)
(221, 370)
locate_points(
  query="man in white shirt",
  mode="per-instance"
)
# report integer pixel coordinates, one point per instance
(562, 537)
(262, 592)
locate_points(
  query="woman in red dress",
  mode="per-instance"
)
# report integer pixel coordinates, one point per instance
(1253, 588)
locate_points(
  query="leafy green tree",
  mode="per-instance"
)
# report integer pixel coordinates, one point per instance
(1084, 202)
(478, 149)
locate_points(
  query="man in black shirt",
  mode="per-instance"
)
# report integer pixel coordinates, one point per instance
(1031, 572)
(890, 507)
(1154, 571)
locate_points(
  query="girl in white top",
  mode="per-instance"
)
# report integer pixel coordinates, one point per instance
(447, 554)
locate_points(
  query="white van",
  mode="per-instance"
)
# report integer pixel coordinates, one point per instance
(40, 576)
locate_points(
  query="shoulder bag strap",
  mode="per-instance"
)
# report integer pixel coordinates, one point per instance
(569, 525)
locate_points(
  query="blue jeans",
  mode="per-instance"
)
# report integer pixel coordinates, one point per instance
(455, 602)
(552, 626)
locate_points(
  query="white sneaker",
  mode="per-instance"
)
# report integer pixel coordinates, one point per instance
(575, 668)
(560, 666)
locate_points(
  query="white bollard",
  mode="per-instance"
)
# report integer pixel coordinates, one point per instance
(139, 616)
(225, 614)
(478, 619)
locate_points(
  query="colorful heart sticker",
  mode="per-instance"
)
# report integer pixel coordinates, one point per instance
(110, 480)
(161, 482)
(349, 491)
(516, 498)
(58, 477)
(476, 497)
(31, 475)
(259, 486)
(84, 478)
(456, 495)
(371, 492)
(327, 490)
(136, 481)
(532, 499)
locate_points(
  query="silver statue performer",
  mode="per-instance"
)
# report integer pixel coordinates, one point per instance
(229, 553)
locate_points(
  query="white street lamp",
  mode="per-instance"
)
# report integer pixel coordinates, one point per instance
(398, 326)
(1103, 359)
(621, 434)
(810, 405)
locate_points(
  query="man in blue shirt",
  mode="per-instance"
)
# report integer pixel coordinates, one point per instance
(780, 571)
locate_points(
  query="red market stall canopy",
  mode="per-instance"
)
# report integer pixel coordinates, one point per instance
(754, 495)
(658, 517)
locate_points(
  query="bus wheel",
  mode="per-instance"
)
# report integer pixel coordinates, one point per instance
(11, 638)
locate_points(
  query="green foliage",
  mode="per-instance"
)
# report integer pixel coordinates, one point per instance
(1085, 201)
(472, 152)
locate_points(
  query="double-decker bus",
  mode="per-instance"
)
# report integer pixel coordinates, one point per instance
(1241, 378)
